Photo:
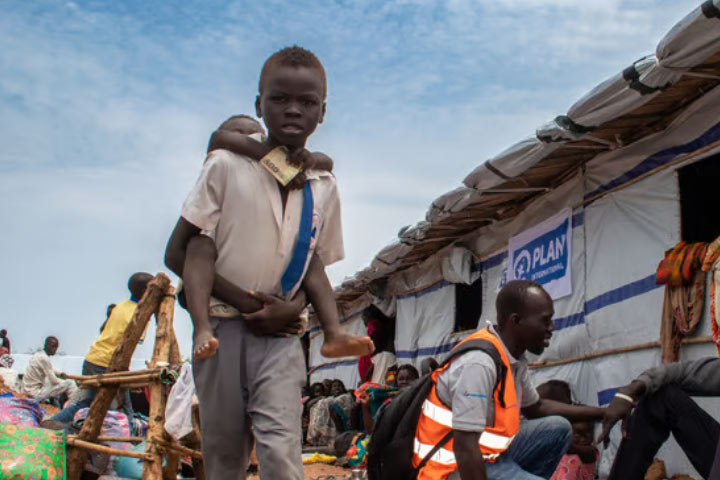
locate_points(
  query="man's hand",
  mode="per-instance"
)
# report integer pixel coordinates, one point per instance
(618, 410)
(277, 317)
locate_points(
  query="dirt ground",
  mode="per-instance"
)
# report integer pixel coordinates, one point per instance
(314, 471)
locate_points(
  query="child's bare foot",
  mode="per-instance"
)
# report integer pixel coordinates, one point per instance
(204, 343)
(344, 345)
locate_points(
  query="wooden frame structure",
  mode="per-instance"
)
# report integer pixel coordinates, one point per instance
(159, 299)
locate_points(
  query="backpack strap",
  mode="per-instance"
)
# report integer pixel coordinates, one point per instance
(489, 348)
(432, 451)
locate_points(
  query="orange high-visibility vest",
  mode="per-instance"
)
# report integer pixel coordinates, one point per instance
(436, 421)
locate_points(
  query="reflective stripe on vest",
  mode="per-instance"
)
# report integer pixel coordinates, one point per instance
(443, 416)
(443, 455)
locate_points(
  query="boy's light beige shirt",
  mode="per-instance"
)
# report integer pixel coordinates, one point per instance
(240, 201)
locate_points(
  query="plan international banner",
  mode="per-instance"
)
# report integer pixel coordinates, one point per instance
(542, 253)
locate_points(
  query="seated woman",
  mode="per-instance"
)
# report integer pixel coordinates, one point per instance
(330, 414)
(370, 397)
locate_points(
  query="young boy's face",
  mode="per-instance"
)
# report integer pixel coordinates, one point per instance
(292, 104)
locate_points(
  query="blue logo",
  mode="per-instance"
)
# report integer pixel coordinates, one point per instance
(545, 258)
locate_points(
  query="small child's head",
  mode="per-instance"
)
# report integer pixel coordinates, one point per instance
(242, 123)
(291, 98)
(557, 390)
(582, 433)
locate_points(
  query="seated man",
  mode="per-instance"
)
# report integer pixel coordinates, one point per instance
(662, 405)
(41, 381)
(101, 351)
(488, 440)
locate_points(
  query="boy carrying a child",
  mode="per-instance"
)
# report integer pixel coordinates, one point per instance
(272, 244)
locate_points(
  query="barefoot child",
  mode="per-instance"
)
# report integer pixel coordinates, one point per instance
(270, 240)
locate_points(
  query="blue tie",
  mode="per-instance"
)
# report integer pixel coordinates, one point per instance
(297, 263)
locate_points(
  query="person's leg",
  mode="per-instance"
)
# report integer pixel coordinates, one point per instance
(83, 399)
(539, 445)
(198, 279)
(336, 343)
(225, 426)
(276, 371)
(669, 410)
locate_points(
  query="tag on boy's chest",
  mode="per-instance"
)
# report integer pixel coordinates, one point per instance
(277, 165)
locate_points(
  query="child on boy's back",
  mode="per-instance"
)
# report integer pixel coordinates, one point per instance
(258, 226)
(243, 134)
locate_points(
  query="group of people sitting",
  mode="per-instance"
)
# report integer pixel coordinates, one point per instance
(330, 411)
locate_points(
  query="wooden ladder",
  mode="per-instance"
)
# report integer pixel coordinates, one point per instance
(159, 299)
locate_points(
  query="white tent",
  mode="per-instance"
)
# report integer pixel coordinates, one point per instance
(613, 159)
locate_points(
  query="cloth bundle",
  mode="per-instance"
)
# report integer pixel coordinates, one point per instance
(711, 263)
(19, 411)
(681, 273)
(29, 453)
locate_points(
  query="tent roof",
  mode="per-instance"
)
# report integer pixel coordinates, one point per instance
(641, 100)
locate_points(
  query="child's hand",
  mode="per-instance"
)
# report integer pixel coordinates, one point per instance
(304, 160)
(277, 317)
(301, 158)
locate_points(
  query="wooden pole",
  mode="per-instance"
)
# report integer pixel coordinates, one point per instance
(102, 438)
(161, 356)
(613, 351)
(101, 376)
(198, 464)
(120, 361)
(81, 444)
(172, 457)
(180, 449)
(120, 380)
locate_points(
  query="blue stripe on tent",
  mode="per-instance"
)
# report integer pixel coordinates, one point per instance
(612, 297)
(660, 158)
(621, 294)
(342, 320)
(606, 396)
(578, 219)
(425, 291)
(569, 321)
(491, 262)
(328, 366)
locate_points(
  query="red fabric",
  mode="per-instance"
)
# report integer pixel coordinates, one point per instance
(364, 363)
(572, 468)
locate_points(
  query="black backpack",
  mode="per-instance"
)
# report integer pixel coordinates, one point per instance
(390, 450)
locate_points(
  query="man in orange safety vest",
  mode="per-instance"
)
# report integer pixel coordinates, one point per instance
(489, 440)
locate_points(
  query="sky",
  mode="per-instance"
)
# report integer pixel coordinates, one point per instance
(106, 109)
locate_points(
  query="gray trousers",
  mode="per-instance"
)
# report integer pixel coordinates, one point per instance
(251, 388)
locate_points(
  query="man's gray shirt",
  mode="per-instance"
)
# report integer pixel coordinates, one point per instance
(467, 387)
(697, 377)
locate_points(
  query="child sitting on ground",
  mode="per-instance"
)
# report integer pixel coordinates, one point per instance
(580, 464)
(243, 134)
(579, 461)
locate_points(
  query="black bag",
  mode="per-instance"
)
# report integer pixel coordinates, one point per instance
(390, 450)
